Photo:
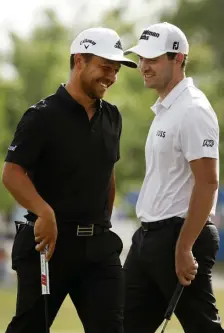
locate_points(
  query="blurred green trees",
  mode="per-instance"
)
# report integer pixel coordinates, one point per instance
(40, 63)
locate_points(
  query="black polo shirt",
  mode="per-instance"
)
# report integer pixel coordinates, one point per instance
(69, 158)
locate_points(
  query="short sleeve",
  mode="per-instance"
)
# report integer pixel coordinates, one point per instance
(199, 134)
(28, 142)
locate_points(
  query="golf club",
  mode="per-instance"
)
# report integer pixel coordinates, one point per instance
(45, 286)
(172, 304)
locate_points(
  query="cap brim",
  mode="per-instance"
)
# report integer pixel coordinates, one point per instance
(124, 61)
(145, 52)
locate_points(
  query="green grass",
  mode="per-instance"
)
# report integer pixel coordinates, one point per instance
(67, 319)
(174, 325)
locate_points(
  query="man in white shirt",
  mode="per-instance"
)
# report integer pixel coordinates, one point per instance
(176, 240)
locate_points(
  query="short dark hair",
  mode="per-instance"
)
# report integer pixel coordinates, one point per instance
(86, 56)
(172, 55)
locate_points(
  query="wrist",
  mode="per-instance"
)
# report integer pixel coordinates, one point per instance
(46, 212)
(183, 246)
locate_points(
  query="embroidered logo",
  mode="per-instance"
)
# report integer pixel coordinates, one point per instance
(208, 143)
(176, 45)
(12, 148)
(87, 43)
(146, 33)
(161, 134)
(118, 45)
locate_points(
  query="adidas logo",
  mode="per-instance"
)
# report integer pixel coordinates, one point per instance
(118, 45)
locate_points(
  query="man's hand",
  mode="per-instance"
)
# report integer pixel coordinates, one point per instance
(16, 180)
(45, 232)
(186, 266)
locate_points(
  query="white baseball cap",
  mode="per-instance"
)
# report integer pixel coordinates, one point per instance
(159, 39)
(102, 42)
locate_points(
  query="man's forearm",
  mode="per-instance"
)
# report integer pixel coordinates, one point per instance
(199, 209)
(111, 199)
(22, 189)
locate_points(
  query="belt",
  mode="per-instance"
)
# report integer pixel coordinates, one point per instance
(90, 230)
(146, 226)
(81, 229)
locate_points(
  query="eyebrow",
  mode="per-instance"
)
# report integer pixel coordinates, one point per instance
(112, 62)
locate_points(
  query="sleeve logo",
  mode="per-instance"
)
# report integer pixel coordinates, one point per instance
(208, 143)
(12, 148)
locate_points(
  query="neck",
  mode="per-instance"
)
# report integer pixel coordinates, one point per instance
(74, 89)
(164, 92)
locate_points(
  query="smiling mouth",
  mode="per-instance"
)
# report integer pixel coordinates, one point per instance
(104, 85)
(148, 76)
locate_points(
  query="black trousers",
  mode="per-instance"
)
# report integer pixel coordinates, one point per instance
(86, 268)
(150, 281)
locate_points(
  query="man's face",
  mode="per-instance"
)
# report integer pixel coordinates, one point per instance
(97, 75)
(157, 72)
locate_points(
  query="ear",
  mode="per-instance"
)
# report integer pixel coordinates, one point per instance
(78, 60)
(179, 58)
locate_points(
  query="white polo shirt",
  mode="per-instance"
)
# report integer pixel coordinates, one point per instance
(185, 128)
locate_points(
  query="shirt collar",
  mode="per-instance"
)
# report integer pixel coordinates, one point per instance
(70, 101)
(173, 95)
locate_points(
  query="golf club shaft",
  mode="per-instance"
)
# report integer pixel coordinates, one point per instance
(172, 304)
(45, 285)
(47, 329)
(164, 327)
(174, 300)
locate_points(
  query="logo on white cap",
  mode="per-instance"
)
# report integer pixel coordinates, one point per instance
(159, 39)
(102, 42)
(118, 45)
(86, 43)
(146, 33)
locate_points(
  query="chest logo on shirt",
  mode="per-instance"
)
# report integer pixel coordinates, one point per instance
(161, 134)
(208, 143)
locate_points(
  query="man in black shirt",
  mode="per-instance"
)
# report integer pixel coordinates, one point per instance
(60, 166)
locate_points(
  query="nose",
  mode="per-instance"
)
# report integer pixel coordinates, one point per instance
(112, 77)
